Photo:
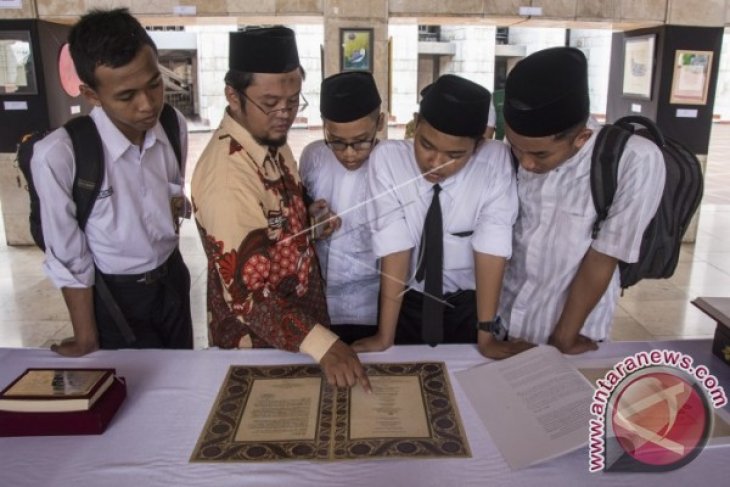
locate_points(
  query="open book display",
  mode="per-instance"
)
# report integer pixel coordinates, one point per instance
(289, 412)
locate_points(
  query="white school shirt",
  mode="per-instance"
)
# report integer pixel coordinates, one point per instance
(478, 206)
(346, 258)
(130, 229)
(553, 234)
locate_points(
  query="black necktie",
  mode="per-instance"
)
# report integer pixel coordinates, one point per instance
(431, 256)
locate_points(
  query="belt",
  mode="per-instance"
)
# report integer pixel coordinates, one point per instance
(149, 277)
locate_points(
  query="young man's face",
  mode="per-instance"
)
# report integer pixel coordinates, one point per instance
(357, 137)
(130, 95)
(543, 154)
(439, 155)
(267, 108)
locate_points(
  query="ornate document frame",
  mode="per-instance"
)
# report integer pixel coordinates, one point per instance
(439, 434)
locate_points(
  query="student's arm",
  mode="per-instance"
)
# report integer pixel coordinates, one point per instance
(393, 274)
(590, 283)
(80, 304)
(489, 270)
(311, 164)
(68, 262)
(639, 190)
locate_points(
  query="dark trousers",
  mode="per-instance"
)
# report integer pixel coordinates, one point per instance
(157, 311)
(460, 322)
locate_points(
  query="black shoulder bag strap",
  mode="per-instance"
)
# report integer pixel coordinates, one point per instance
(171, 125)
(88, 178)
(609, 146)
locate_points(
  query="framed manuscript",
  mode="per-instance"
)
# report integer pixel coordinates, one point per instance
(289, 412)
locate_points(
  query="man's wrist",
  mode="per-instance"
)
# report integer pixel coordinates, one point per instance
(318, 342)
(494, 327)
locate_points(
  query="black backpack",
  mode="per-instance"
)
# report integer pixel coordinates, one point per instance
(89, 162)
(662, 239)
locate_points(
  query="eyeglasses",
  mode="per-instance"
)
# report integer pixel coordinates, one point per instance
(358, 145)
(288, 107)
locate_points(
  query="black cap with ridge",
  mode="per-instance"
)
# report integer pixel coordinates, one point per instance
(455, 106)
(350, 96)
(547, 92)
(264, 50)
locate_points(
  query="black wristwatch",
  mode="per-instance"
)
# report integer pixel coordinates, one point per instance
(495, 327)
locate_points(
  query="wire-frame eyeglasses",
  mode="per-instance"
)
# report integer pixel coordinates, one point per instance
(289, 107)
(358, 145)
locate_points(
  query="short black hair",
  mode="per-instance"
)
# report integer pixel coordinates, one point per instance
(571, 132)
(106, 38)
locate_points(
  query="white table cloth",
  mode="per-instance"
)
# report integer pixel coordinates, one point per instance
(170, 394)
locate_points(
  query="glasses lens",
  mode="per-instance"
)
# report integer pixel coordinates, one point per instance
(337, 146)
(358, 146)
(364, 145)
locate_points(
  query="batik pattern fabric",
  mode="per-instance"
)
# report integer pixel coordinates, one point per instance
(264, 283)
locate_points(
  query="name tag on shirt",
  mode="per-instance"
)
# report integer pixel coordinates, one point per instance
(105, 193)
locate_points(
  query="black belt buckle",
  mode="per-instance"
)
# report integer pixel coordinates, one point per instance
(154, 275)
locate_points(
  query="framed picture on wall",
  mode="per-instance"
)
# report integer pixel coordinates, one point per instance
(17, 68)
(691, 77)
(356, 49)
(638, 66)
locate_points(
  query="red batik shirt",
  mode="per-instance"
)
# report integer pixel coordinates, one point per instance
(264, 282)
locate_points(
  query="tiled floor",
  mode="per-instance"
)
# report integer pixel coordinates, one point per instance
(33, 314)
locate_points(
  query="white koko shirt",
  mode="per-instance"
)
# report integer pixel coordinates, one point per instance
(130, 229)
(347, 260)
(553, 234)
(478, 206)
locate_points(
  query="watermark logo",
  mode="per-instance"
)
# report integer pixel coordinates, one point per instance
(652, 412)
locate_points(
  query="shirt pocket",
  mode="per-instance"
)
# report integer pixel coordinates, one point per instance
(458, 252)
(573, 230)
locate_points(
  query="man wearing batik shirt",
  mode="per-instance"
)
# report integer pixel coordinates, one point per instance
(264, 283)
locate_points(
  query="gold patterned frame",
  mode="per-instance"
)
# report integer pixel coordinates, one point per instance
(217, 441)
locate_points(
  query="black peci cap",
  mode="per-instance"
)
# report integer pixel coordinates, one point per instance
(349, 96)
(455, 106)
(547, 92)
(264, 50)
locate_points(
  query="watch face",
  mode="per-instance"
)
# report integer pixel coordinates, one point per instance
(495, 327)
(498, 330)
(70, 81)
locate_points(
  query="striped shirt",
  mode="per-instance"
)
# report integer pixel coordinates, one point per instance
(553, 234)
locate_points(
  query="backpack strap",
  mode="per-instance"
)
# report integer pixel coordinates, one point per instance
(607, 151)
(88, 178)
(89, 162)
(630, 122)
(171, 125)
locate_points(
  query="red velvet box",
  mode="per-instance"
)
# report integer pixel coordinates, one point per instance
(91, 422)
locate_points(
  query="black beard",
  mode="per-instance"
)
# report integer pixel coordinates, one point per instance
(272, 142)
